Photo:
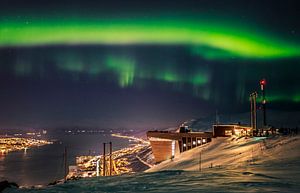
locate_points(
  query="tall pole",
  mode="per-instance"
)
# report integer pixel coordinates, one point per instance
(254, 111)
(251, 111)
(263, 83)
(110, 160)
(253, 114)
(65, 163)
(104, 160)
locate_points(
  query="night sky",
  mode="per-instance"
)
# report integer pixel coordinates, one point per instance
(143, 64)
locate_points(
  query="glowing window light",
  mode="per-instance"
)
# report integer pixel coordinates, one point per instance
(173, 148)
(228, 132)
(184, 145)
(194, 142)
(199, 141)
(204, 140)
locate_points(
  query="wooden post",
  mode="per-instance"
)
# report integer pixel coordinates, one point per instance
(65, 164)
(200, 160)
(251, 112)
(104, 160)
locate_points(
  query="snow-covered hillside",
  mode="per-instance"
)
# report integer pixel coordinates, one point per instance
(235, 153)
(238, 165)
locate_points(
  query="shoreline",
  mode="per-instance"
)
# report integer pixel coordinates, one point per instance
(126, 160)
(11, 144)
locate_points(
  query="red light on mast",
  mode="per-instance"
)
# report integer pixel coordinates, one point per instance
(263, 82)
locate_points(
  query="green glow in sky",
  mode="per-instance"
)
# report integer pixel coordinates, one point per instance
(209, 39)
(281, 97)
(125, 69)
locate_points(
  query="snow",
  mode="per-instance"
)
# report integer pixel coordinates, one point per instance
(239, 165)
(234, 153)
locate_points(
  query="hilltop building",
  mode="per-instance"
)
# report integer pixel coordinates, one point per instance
(167, 144)
(231, 129)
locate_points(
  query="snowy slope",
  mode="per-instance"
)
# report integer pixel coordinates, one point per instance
(273, 166)
(225, 152)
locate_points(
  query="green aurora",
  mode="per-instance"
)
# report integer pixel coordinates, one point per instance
(209, 39)
(127, 71)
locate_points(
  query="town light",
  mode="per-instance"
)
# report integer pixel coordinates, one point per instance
(237, 132)
(98, 167)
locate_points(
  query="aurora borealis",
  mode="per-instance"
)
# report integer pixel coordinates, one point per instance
(156, 63)
(217, 36)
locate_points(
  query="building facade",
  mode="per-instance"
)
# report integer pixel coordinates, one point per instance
(231, 129)
(166, 145)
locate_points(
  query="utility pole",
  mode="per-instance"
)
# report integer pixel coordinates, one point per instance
(251, 111)
(253, 114)
(254, 111)
(104, 160)
(65, 163)
(110, 158)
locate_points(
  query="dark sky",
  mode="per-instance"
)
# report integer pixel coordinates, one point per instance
(143, 64)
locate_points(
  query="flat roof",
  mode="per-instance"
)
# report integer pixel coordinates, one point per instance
(177, 136)
(232, 125)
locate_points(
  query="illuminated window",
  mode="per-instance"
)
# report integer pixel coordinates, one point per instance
(228, 132)
(194, 142)
(199, 141)
(184, 145)
(173, 148)
(237, 132)
(204, 140)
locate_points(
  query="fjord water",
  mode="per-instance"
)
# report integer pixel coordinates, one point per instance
(45, 164)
